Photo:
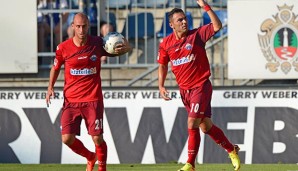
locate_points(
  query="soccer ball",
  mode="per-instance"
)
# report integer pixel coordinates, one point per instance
(111, 40)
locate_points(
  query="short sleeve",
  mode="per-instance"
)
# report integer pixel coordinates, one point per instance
(58, 61)
(206, 32)
(162, 56)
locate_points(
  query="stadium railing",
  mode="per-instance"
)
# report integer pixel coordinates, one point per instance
(150, 3)
(145, 47)
(122, 4)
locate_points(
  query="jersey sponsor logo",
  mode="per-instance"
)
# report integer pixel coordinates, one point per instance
(183, 60)
(93, 58)
(85, 71)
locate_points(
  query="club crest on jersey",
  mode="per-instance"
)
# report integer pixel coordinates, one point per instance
(93, 58)
(188, 46)
(279, 45)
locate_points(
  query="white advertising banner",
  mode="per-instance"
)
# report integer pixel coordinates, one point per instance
(18, 45)
(140, 127)
(263, 39)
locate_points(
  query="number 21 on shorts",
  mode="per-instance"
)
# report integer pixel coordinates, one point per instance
(98, 124)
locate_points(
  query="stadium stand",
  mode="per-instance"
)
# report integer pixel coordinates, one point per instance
(139, 29)
(150, 3)
(92, 12)
(139, 25)
(111, 18)
(188, 3)
(219, 3)
(144, 41)
(115, 4)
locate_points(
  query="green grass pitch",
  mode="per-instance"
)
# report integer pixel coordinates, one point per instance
(148, 167)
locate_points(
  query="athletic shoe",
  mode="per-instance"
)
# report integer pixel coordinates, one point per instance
(91, 163)
(235, 158)
(187, 167)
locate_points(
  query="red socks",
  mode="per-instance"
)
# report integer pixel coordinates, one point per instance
(219, 137)
(194, 140)
(80, 149)
(101, 152)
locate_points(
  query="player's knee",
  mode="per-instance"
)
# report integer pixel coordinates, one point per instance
(193, 123)
(68, 139)
(204, 129)
(97, 139)
(206, 125)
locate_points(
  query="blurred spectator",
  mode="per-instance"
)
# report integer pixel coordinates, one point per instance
(70, 31)
(92, 14)
(105, 28)
(43, 26)
(64, 17)
(61, 26)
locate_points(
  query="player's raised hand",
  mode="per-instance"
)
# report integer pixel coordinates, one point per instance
(164, 93)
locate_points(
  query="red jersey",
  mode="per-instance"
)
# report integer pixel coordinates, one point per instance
(188, 57)
(81, 69)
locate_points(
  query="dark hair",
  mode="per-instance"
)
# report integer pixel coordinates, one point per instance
(174, 11)
(102, 23)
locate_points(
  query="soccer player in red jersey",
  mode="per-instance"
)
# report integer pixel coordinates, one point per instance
(185, 50)
(83, 98)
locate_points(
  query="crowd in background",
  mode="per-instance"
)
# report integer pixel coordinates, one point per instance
(59, 23)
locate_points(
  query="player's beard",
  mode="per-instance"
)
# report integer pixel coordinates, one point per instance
(82, 36)
(184, 28)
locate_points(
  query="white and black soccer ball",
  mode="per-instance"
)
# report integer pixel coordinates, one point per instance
(111, 40)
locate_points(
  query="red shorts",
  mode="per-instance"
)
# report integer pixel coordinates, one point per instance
(73, 113)
(197, 101)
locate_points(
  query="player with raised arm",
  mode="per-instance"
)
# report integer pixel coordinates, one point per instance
(185, 50)
(83, 98)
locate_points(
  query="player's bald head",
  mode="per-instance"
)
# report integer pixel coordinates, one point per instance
(80, 16)
(80, 25)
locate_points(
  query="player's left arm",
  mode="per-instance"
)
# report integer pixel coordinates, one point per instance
(217, 25)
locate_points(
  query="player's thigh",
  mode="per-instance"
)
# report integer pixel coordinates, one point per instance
(70, 119)
(200, 102)
(93, 115)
